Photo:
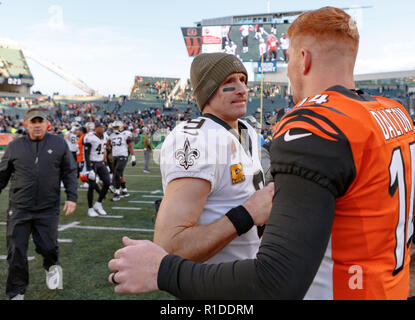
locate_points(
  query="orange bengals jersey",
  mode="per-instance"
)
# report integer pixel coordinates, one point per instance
(80, 151)
(362, 149)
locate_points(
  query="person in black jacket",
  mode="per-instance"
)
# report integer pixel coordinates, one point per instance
(36, 164)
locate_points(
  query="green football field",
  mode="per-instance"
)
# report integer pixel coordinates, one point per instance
(87, 244)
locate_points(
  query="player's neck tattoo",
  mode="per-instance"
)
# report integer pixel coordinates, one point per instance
(228, 89)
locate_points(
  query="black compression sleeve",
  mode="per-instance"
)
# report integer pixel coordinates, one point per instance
(87, 154)
(292, 248)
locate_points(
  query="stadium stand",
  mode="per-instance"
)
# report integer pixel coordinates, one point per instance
(14, 63)
(15, 75)
(158, 103)
(152, 87)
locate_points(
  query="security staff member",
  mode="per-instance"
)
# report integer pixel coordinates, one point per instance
(148, 149)
(36, 165)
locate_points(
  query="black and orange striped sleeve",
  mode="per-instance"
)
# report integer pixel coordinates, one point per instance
(308, 144)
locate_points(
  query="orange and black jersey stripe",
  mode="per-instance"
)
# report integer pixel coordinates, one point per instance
(308, 142)
(361, 148)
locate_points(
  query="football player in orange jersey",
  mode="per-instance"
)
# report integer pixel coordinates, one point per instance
(342, 217)
(80, 133)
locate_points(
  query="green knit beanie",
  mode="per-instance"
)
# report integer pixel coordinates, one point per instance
(209, 70)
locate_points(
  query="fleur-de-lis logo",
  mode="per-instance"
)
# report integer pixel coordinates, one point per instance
(187, 155)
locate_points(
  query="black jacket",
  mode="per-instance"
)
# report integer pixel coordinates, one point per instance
(36, 170)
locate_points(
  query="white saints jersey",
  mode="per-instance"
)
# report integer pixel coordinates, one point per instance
(209, 149)
(98, 146)
(119, 143)
(71, 139)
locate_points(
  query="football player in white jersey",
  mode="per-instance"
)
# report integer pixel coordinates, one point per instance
(94, 145)
(90, 126)
(71, 140)
(211, 170)
(285, 44)
(231, 48)
(245, 29)
(122, 146)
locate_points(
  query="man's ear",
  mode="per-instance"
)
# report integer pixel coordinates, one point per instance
(306, 61)
(25, 124)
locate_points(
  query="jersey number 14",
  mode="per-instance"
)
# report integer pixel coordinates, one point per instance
(397, 182)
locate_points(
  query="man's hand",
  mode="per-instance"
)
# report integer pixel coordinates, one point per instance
(259, 204)
(69, 207)
(133, 163)
(135, 267)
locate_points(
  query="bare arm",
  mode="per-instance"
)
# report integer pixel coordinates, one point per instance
(176, 227)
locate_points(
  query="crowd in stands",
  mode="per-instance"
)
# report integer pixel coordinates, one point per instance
(62, 116)
(148, 87)
(159, 110)
(150, 120)
(24, 103)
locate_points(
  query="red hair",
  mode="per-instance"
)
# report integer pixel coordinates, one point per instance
(327, 23)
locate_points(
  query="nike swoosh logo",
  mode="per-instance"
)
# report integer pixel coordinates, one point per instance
(193, 134)
(290, 137)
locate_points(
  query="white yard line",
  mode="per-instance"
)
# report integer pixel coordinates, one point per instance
(138, 201)
(126, 208)
(141, 191)
(150, 196)
(113, 228)
(130, 191)
(143, 175)
(75, 225)
(67, 226)
(111, 217)
(65, 240)
(5, 258)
